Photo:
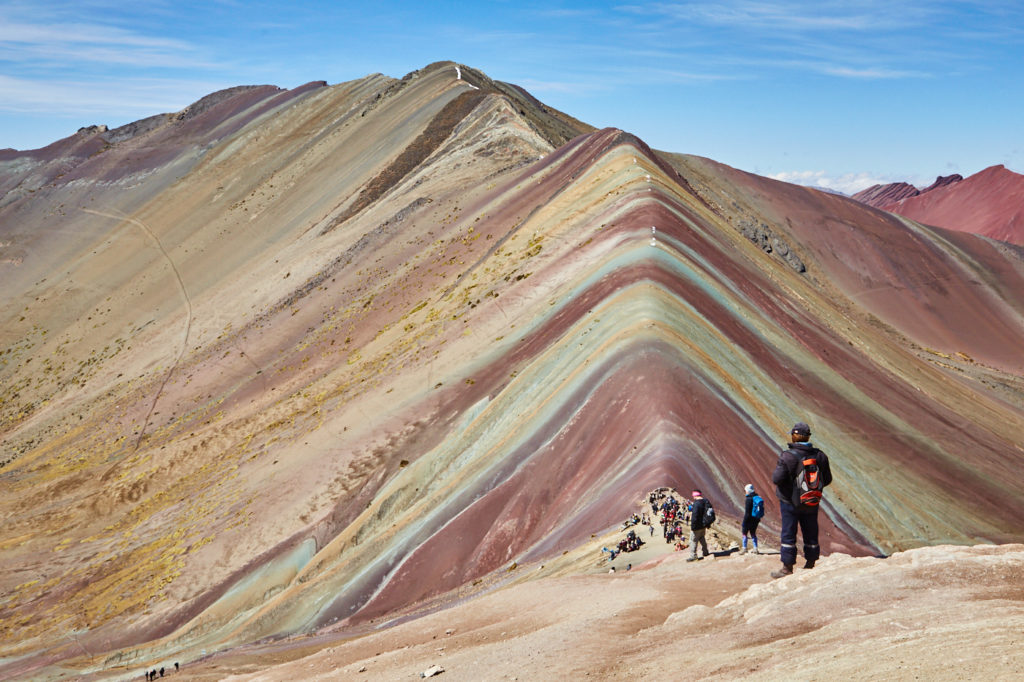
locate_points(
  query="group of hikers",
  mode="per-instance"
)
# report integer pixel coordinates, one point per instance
(152, 674)
(800, 476)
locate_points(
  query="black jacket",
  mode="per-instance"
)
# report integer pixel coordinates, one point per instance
(789, 464)
(697, 513)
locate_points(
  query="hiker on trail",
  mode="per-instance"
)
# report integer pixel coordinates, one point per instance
(800, 477)
(753, 510)
(697, 527)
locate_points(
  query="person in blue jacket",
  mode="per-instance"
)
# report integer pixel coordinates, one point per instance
(749, 526)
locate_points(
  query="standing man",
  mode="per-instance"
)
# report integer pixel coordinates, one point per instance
(800, 477)
(697, 527)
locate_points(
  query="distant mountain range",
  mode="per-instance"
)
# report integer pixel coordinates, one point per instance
(989, 203)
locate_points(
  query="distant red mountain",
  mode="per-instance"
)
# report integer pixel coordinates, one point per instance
(881, 196)
(989, 203)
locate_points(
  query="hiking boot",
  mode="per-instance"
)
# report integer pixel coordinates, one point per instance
(757, 551)
(787, 569)
(809, 564)
(743, 551)
(692, 558)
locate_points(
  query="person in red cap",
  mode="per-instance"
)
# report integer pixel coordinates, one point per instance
(800, 477)
(697, 527)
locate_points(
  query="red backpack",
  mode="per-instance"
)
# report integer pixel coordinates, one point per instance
(807, 485)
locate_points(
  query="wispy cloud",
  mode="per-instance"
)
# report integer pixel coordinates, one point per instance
(871, 73)
(794, 16)
(88, 61)
(77, 56)
(847, 183)
(771, 16)
(680, 76)
(45, 39)
(123, 97)
(565, 13)
(22, 33)
(868, 40)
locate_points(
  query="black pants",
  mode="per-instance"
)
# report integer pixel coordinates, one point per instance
(807, 519)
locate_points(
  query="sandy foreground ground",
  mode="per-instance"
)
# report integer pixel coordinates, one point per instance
(931, 613)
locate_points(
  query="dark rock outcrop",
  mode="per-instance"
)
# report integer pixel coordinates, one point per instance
(943, 181)
(762, 235)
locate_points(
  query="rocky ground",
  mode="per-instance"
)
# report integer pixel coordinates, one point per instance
(866, 618)
(861, 618)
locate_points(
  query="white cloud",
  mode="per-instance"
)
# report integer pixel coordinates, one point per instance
(771, 15)
(68, 61)
(48, 35)
(869, 40)
(47, 40)
(123, 97)
(847, 183)
(871, 73)
(787, 15)
(677, 76)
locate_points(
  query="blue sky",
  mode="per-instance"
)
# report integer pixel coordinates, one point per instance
(843, 94)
